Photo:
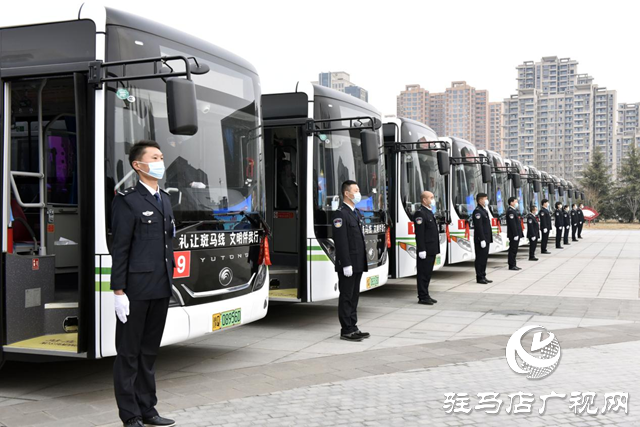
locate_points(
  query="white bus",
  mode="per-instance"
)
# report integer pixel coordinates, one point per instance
(76, 95)
(469, 172)
(521, 194)
(416, 161)
(549, 191)
(315, 139)
(497, 190)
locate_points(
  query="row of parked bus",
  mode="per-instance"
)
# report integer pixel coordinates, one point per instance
(251, 177)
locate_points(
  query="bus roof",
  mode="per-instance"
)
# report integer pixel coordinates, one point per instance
(344, 97)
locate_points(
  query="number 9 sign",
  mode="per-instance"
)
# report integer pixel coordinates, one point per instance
(183, 264)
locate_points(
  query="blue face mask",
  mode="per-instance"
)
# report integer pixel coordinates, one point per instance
(433, 205)
(156, 169)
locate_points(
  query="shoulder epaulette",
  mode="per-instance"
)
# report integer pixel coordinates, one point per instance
(127, 191)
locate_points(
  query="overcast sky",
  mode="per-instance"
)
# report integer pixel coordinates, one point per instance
(386, 45)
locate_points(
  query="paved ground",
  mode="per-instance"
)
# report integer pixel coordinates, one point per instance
(586, 293)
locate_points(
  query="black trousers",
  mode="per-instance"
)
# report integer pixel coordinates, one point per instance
(566, 235)
(348, 302)
(574, 230)
(543, 242)
(425, 268)
(559, 237)
(482, 255)
(580, 229)
(513, 251)
(137, 344)
(532, 248)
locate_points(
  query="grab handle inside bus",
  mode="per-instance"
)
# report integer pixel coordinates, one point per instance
(182, 107)
(443, 162)
(370, 145)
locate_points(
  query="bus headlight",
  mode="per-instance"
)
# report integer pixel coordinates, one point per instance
(411, 250)
(329, 248)
(260, 278)
(464, 244)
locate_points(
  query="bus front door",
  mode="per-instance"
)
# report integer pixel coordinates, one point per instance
(45, 152)
(283, 202)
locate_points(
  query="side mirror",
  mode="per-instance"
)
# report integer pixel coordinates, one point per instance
(370, 145)
(443, 162)
(582, 196)
(181, 106)
(389, 132)
(486, 173)
(560, 192)
(537, 186)
(517, 183)
(551, 188)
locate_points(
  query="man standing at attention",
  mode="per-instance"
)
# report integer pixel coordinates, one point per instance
(545, 225)
(581, 219)
(428, 242)
(482, 237)
(533, 232)
(142, 226)
(351, 260)
(514, 232)
(559, 219)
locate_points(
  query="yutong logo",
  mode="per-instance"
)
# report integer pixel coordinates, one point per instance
(226, 276)
(534, 367)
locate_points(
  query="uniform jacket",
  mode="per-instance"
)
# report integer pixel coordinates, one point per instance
(575, 218)
(427, 235)
(533, 227)
(348, 236)
(481, 225)
(566, 219)
(580, 215)
(142, 244)
(545, 219)
(559, 218)
(514, 227)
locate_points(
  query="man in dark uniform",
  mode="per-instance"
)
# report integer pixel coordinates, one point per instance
(559, 222)
(351, 260)
(142, 226)
(545, 225)
(575, 222)
(533, 232)
(581, 220)
(566, 220)
(428, 242)
(482, 237)
(514, 232)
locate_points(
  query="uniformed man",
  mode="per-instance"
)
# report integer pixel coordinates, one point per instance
(482, 237)
(559, 223)
(581, 220)
(428, 242)
(566, 220)
(575, 222)
(533, 232)
(545, 225)
(142, 227)
(351, 260)
(514, 232)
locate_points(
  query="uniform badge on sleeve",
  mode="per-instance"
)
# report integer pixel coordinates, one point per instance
(542, 214)
(478, 215)
(337, 223)
(419, 220)
(511, 216)
(529, 221)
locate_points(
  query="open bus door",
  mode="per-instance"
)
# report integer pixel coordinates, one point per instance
(48, 156)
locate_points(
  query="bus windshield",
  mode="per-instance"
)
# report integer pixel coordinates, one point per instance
(211, 174)
(467, 182)
(337, 157)
(498, 194)
(419, 172)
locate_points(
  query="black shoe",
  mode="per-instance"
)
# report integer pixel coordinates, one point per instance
(533, 259)
(579, 237)
(362, 334)
(433, 300)
(574, 240)
(567, 243)
(158, 421)
(559, 247)
(482, 282)
(546, 252)
(487, 280)
(425, 302)
(353, 336)
(133, 422)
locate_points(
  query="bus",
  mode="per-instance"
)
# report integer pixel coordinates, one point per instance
(468, 174)
(77, 93)
(416, 162)
(523, 197)
(549, 193)
(315, 139)
(497, 190)
(534, 186)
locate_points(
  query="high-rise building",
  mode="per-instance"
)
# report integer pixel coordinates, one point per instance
(627, 131)
(460, 110)
(495, 127)
(341, 81)
(558, 117)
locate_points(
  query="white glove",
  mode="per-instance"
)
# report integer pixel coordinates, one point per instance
(483, 244)
(580, 222)
(422, 254)
(534, 239)
(348, 271)
(516, 238)
(544, 230)
(122, 307)
(567, 227)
